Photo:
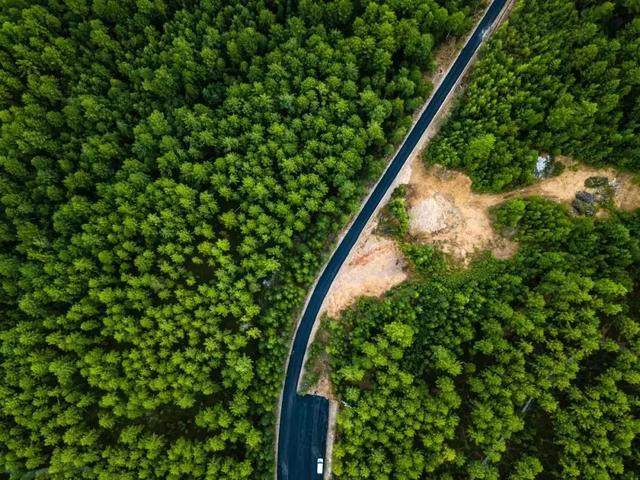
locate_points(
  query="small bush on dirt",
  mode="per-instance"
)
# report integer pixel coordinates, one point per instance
(596, 182)
(583, 207)
(394, 218)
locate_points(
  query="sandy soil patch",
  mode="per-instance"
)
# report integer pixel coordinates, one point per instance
(443, 209)
(563, 187)
(375, 266)
(324, 388)
(434, 214)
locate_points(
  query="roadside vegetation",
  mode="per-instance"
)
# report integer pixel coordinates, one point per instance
(170, 173)
(522, 368)
(525, 367)
(394, 219)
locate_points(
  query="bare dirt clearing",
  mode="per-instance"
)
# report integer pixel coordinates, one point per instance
(444, 211)
(564, 187)
(375, 266)
(465, 225)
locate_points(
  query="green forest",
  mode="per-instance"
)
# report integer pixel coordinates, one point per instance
(527, 368)
(563, 77)
(519, 369)
(170, 174)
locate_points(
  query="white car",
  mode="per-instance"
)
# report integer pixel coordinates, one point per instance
(320, 466)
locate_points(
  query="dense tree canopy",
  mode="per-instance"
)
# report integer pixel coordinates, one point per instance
(169, 174)
(529, 367)
(526, 368)
(562, 77)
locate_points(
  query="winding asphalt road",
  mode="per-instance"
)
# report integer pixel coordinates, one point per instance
(303, 419)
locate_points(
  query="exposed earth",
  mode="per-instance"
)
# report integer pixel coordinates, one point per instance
(375, 266)
(443, 210)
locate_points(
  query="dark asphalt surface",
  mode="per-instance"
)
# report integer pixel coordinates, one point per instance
(307, 442)
(303, 420)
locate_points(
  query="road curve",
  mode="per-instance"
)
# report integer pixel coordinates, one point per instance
(296, 457)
